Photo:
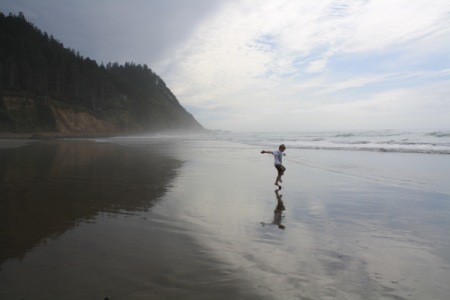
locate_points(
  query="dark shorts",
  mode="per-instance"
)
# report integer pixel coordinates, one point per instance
(280, 169)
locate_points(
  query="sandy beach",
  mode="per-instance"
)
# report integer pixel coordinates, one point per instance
(200, 219)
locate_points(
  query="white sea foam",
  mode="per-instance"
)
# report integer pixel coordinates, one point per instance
(437, 142)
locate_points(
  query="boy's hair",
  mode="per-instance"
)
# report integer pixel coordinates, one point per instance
(282, 146)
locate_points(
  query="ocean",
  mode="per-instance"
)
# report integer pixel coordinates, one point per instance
(433, 142)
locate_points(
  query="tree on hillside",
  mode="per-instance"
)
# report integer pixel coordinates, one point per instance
(35, 63)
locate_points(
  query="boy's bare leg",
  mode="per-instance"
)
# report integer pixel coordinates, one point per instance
(278, 180)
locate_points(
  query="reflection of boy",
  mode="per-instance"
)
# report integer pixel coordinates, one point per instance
(277, 217)
(278, 155)
(277, 213)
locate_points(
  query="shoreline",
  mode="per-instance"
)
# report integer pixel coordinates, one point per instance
(50, 135)
(8, 143)
(59, 135)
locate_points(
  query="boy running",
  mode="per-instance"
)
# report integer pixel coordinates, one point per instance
(278, 154)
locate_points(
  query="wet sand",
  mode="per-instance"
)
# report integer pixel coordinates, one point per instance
(189, 219)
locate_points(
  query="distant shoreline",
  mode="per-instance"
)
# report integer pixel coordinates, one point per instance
(46, 136)
(58, 135)
(10, 140)
(13, 143)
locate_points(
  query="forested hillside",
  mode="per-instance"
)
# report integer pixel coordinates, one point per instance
(45, 87)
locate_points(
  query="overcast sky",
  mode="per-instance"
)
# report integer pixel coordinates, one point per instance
(271, 65)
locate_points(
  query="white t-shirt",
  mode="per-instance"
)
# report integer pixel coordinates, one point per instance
(278, 157)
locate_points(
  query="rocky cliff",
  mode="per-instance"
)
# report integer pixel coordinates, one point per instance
(27, 114)
(47, 88)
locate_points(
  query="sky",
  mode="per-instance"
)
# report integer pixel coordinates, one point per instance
(274, 65)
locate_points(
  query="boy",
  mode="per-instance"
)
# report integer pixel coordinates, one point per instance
(278, 154)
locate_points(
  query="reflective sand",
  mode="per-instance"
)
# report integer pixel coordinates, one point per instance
(186, 219)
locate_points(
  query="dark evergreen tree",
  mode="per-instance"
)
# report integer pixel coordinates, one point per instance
(35, 64)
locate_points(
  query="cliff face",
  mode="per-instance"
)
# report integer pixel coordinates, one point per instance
(21, 114)
(71, 122)
(45, 87)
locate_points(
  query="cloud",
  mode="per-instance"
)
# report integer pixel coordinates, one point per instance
(142, 31)
(252, 55)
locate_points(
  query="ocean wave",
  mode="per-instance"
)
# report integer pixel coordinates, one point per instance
(438, 134)
(408, 143)
(370, 134)
(345, 135)
(379, 141)
(373, 149)
(351, 142)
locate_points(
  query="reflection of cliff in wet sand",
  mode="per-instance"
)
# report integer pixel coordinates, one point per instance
(48, 187)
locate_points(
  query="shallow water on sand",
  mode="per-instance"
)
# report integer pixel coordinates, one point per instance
(187, 219)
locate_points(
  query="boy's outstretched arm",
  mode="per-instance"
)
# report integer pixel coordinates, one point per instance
(265, 151)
